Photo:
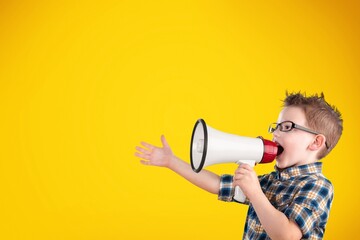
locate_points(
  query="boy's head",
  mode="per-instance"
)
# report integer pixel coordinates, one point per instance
(308, 128)
(320, 117)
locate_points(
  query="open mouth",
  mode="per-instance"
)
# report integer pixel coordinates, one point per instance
(280, 149)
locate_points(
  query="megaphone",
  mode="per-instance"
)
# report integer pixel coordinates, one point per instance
(210, 146)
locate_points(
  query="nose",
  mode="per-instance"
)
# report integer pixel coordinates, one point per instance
(276, 133)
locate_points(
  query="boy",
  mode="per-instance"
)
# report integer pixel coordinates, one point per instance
(294, 201)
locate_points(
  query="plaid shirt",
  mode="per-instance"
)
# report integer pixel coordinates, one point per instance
(302, 193)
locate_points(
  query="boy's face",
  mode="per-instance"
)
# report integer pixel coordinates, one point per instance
(295, 142)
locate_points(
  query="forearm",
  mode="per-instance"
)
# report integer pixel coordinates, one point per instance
(204, 179)
(275, 223)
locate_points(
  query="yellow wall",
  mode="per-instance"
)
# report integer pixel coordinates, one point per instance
(81, 84)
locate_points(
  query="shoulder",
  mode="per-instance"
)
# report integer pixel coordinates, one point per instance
(315, 182)
(315, 192)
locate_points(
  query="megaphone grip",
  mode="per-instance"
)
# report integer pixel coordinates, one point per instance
(239, 196)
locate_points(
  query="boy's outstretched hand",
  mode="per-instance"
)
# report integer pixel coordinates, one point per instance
(163, 157)
(155, 156)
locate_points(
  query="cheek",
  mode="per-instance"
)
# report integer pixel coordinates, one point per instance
(295, 144)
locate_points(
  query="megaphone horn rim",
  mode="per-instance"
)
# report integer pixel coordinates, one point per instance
(202, 122)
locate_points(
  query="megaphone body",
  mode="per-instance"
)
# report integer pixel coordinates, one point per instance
(210, 146)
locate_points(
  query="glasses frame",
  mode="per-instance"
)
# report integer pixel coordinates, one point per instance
(293, 125)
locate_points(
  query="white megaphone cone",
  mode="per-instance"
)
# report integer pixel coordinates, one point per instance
(210, 146)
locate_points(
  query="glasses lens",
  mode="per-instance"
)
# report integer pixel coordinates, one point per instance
(272, 127)
(286, 126)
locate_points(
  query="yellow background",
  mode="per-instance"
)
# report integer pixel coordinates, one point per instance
(83, 82)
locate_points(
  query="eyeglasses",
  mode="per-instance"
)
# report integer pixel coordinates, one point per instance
(287, 126)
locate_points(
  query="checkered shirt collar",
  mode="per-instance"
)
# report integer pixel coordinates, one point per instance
(287, 173)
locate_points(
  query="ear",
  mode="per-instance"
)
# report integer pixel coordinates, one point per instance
(318, 142)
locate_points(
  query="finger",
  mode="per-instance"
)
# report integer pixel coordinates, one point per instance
(245, 166)
(148, 145)
(237, 178)
(142, 155)
(164, 142)
(147, 163)
(142, 150)
(241, 171)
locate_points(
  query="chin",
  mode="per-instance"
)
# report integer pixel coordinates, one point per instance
(281, 164)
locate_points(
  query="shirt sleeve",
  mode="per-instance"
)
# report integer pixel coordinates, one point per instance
(310, 207)
(226, 191)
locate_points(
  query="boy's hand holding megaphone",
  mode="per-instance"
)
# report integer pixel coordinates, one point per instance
(245, 180)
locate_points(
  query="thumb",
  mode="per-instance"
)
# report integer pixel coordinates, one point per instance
(164, 142)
